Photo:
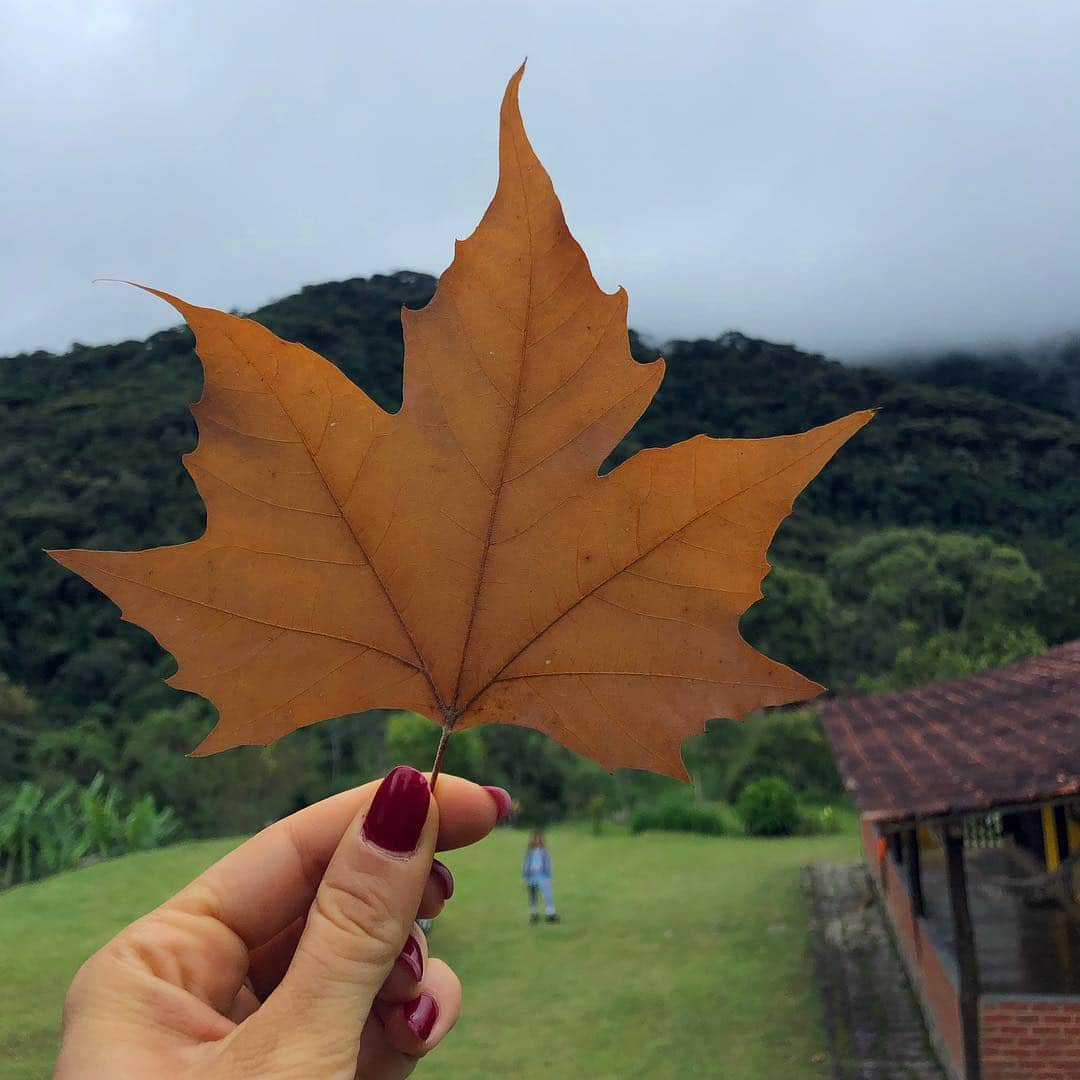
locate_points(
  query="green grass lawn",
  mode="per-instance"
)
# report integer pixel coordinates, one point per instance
(678, 955)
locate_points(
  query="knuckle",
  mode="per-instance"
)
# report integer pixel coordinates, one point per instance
(360, 919)
(114, 977)
(144, 946)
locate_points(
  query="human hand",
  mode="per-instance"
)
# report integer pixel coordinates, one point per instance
(295, 956)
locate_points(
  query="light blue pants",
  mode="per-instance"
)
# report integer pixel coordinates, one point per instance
(543, 887)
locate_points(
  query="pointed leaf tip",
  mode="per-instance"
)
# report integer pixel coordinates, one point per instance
(511, 105)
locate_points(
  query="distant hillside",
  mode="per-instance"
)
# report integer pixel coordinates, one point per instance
(1047, 377)
(92, 444)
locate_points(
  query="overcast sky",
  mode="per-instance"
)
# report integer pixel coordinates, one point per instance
(856, 178)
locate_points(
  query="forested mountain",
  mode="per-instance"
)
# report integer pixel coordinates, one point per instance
(1046, 377)
(91, 446)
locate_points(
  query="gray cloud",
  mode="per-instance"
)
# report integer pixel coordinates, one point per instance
(853, 177)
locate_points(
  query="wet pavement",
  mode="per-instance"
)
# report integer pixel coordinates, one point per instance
(874, 1026)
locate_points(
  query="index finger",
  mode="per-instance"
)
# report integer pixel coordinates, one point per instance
(270, 880)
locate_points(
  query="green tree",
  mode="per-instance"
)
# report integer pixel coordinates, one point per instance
(78, 750)
(899, 586)
(234, 792)
(791, 624)
(708, 756)
(412, 739)
(1058, 612)
(19, 725)
(546, 780)
(790, 745)
(951, 653)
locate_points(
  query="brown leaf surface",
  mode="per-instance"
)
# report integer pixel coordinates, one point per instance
(463, 558)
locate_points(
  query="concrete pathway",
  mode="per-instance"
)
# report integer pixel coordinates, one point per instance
(872, 1021)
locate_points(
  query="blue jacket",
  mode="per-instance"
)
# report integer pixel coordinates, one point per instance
(534, 870)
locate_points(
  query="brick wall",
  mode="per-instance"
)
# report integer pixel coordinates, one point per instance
(933, 974)
(1030, 1038)
(1021, 1037)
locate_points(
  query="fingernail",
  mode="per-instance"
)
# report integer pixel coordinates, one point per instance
(397, 814)
(445, 880)
(412, 956)
(503, 802)
(421, 1014)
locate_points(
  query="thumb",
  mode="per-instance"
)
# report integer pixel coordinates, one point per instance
(363, 911)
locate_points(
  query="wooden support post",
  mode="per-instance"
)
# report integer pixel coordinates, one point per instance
(964, 933)
(1051, 850)
(913, 867)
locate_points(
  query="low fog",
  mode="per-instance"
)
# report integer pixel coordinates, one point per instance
(856, 179)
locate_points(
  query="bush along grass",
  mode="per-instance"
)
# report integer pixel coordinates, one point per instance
(42, 835)
(819, 821)
(678, 813)
(790, 745)
(769, 807)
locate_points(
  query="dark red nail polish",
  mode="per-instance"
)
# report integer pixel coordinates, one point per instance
(421, 1014)
(412, 956)
(445, 880)
(503, 803)
(397, 814)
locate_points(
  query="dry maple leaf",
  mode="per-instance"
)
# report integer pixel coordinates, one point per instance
(463, 558)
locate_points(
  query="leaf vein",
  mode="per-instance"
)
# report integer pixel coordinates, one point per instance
(259, 498)
(697, 517)
(382, 584)
(578, 434)
(202, 417)
(592, 352)
(251, 618)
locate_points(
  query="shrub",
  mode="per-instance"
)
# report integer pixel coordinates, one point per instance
(146, 827)
(597, 806)
(38, 835)
(678, 813)
(42, 835)
(790, 745)
(819, 822)
(109, 830)
(768, 807)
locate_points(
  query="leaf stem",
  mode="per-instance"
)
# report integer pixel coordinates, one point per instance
(448, 726)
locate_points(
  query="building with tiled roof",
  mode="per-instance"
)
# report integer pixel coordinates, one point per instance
(969, 794)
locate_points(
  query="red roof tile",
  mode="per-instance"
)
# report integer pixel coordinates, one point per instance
(1000, 738)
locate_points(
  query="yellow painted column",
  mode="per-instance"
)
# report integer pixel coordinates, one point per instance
(1050, 841)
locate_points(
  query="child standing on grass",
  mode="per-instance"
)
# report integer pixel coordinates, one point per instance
(536, 870)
